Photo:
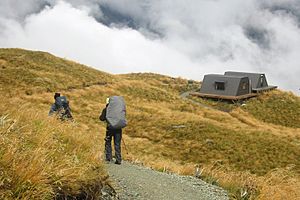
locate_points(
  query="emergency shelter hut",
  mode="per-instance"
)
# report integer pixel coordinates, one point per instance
(225, 87)
(258, 81)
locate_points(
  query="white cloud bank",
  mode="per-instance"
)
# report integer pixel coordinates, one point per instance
(194, 37)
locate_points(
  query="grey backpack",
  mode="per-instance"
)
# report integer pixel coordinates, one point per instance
(116, 112)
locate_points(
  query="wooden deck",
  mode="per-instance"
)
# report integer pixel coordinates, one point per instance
(264, 89)
(233, 98)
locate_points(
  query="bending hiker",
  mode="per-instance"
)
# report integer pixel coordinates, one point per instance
(53, 108)
(114, 114)
(60, 107)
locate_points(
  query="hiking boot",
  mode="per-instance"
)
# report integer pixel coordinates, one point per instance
(107, 161)
(118, 162)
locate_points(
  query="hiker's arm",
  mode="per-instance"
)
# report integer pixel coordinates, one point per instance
(52, 110)
(69, 108)
(102, 117)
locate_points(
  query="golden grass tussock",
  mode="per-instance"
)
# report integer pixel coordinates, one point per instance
(42, 158)
(248, 150)
(243, 116)
(277, 130)
(280, 184)
(2, 62)
(276, 107)
(277, 184)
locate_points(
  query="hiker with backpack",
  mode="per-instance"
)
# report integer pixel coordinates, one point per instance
(115, 116)
(60, 107)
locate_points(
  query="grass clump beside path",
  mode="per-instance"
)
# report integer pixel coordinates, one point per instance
(42, 158)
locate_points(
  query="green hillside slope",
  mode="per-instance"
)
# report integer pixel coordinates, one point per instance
(280, 108)
(29, 72)
(247, 148)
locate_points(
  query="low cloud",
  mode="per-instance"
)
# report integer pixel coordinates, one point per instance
(178, 38)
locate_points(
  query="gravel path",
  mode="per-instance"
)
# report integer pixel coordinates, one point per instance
(137, 182)
(185, 96)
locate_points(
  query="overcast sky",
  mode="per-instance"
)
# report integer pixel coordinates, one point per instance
(187, 38)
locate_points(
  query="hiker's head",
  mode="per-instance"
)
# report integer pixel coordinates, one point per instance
(107, 100)
(56, 95)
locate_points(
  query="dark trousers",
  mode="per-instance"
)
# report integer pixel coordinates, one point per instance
(117, 135)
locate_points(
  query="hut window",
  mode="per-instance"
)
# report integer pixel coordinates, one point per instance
(220, 85)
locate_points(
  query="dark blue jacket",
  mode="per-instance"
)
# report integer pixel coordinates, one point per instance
(53, 109)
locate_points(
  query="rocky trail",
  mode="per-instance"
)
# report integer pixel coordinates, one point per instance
(137, 182)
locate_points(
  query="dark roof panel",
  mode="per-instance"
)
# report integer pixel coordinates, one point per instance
(232, 84)
(258, 80)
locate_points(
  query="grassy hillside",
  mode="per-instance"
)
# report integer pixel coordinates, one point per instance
(276, 107)
(31, 72)
(41, 158)
(251, 148)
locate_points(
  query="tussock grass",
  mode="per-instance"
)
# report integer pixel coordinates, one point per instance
(240, 150)
(34, 72)
(165, 82)
(276, 107)
(42, 158)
